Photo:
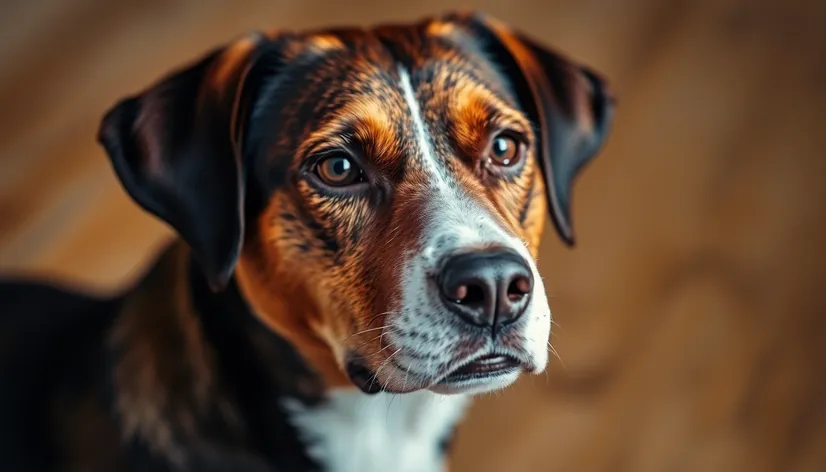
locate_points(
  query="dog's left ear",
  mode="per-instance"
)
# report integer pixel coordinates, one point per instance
(569, 103)
(176, 149)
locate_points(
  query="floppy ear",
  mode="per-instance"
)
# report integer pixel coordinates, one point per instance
(176, 149)
(570, 105)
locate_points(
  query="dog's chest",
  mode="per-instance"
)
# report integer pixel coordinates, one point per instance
(366, 433)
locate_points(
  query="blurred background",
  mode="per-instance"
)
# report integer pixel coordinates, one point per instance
(691, 315)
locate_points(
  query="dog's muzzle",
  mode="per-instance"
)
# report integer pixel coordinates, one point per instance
(472, 334)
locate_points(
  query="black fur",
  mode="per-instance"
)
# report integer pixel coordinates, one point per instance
(53, 346)
(49, 342)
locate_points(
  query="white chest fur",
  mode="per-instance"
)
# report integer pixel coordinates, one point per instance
(355, 432)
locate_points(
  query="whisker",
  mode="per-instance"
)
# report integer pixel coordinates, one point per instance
(389, 404)
(369, 356)
(378, 336)
(387, 329)
(381, 336)
(407, 373)
(556, 353)
(394, 232)
(383, 364)
(380, 314)
(367, 342)
(364, 331)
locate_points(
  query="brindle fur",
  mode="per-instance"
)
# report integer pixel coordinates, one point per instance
(272, 280)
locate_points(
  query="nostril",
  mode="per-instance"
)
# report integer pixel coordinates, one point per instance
(460, 293)
(518, 288)
(474, 295)
(468, 294)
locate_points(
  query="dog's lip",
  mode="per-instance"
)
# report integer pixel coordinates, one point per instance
(483, 367)
(479, 369)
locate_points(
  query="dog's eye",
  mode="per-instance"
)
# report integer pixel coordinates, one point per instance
(505, 150)
(338, 171)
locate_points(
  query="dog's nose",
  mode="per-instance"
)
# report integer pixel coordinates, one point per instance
(489, 289)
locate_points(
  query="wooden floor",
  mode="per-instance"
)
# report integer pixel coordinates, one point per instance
(692, 314)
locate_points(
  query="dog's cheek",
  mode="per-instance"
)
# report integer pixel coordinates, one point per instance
(336, 222)
(533, 215)
(355, 289)
(347, 222)
(387, 244)
(292, 251)
(331, 230)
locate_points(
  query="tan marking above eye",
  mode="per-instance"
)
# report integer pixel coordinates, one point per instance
(370, 124)
(338, 170)
(325, 42)
(505, 150)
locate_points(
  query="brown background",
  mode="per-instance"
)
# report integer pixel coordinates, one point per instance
(691, 315)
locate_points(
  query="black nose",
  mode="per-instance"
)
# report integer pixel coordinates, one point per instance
(489, 289)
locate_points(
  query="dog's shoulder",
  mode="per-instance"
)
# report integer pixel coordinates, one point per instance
(51, 372)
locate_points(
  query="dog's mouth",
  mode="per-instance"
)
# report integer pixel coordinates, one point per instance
(485, 367)
(485, 372)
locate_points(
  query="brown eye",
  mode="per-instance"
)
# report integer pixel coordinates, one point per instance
(505, 150)
(338, 171)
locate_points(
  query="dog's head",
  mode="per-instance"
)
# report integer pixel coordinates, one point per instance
(379, 194)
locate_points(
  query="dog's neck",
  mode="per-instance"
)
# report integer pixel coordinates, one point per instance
(289, 313)
(234, 381)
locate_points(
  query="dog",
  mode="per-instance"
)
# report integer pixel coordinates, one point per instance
(359, 212)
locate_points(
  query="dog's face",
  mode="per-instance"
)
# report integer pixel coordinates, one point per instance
(379, 194)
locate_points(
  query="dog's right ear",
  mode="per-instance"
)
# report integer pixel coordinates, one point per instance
(176, 148)
(570, 104)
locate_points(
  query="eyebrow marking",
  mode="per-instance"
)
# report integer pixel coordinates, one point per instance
(425, 144)
(363, 122)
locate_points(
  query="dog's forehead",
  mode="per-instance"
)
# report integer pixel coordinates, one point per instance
(427, 51)
(355, 89)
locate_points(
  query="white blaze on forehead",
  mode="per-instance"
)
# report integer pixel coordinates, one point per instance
(455, 215)
(451, 209)
(428, 157)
